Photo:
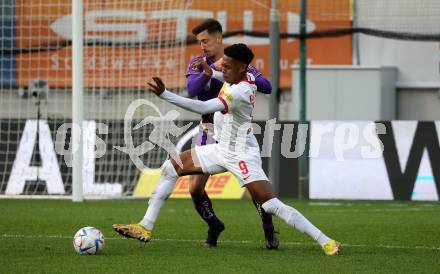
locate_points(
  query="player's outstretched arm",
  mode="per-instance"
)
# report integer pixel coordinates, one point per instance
(210, 106)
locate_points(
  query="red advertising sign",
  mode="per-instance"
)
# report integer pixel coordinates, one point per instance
(129, 41)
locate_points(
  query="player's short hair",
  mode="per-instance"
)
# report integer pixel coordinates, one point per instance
(240, 52)
(211, 25)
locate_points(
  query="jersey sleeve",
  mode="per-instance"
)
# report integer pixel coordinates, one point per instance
(262, 83)
(201, 107)
(253, 70)
(195, 79)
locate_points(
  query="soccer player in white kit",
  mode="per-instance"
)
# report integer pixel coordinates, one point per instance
(236, 151)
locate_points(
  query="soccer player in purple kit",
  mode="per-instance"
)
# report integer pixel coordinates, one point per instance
(205, 85)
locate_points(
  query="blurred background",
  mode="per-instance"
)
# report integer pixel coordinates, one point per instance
(370, 70)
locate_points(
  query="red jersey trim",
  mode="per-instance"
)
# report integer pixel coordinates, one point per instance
(225, 104)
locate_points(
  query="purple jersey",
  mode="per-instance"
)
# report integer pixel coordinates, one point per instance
(202, 86)
(210, 87)
(206, 88)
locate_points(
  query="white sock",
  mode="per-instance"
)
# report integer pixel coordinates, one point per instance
(295, 219)
(164, 187)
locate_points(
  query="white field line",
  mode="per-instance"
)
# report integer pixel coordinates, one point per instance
(338, 210)
(342, 210)
(19, 236)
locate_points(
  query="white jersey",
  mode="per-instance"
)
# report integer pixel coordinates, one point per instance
(237, 149)
(233, 126)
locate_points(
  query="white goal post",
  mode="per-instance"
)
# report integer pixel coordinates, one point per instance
(77, 99)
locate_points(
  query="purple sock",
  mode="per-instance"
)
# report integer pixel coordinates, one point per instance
(266, 218)
(203, 206)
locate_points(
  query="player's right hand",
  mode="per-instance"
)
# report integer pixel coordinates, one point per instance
(158, 87)
(219, 64)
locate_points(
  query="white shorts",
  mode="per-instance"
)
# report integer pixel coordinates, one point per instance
(247, 168)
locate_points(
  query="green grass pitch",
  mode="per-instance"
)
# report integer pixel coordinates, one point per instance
(386, 237)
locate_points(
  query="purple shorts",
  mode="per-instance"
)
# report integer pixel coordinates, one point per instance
(204, 137)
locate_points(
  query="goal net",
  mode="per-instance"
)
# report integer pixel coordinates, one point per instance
(125, 43)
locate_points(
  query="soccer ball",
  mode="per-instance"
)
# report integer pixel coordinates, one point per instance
(88, 240)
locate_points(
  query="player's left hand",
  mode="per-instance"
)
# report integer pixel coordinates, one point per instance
(158, 87)
(202, 64)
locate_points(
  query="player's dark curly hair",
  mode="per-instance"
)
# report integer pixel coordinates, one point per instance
(211, 25)
(240, 52)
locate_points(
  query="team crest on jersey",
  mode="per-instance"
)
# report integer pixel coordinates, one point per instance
(194, 66)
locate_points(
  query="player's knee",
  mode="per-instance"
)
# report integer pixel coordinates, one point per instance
(272, 206)
(196, 186)
(178, 168)
(276, 207)
(168, 169)
(288, 214)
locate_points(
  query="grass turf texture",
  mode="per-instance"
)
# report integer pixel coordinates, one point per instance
(36, 236)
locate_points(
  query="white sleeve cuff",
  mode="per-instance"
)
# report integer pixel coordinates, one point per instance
(217, 75)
